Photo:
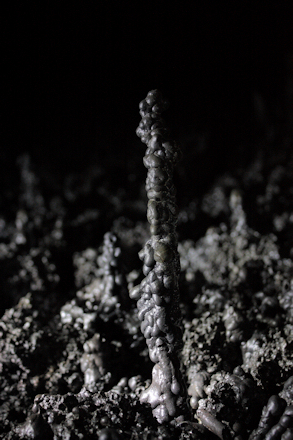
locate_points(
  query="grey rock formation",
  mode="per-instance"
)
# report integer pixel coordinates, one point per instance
(158, 293)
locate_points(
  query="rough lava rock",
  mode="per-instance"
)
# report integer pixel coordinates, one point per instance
(73, 361)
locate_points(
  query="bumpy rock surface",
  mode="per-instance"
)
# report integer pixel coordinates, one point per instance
(158, 292)
(73, 360)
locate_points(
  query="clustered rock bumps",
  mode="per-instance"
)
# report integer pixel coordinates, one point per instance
(276, 419)
(158, 293)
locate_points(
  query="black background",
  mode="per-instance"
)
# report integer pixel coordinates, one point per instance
(73, 76)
